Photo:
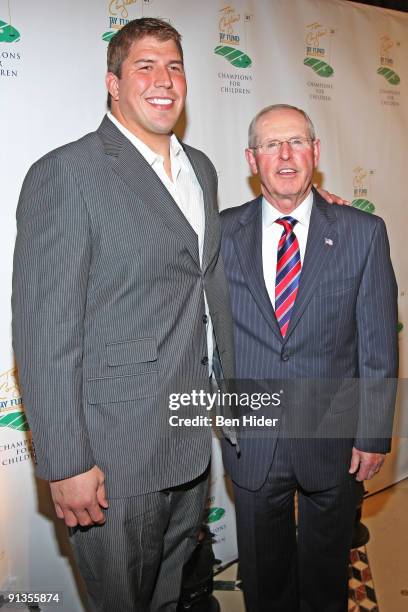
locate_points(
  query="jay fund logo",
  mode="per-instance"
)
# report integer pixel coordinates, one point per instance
(11, 413)
(229, 38)
(361, 190)
(214, 514)
(119, 14)
(317, 38)
(386, 60)
(8, 33)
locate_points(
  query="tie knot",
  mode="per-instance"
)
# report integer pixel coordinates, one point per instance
(288, 223)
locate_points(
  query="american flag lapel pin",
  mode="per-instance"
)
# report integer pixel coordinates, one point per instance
(328, 241)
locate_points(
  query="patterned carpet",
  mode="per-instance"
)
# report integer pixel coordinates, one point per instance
(361, 589)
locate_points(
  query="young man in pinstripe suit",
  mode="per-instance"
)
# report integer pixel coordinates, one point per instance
(118, 295)
(314, 303)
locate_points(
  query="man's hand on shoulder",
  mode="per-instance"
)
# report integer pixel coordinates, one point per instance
(78, 500)
(365, 465)
(331, 198)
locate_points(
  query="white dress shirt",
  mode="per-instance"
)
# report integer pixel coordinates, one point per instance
(186, 192)
(271, 233)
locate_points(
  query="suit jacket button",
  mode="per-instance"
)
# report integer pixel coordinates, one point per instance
(285, 356)
(204, 360)
(205, 319)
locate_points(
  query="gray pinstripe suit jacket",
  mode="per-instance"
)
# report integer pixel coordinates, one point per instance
(343, 327)
(108, 313)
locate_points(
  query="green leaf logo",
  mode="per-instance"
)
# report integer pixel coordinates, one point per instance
(8, 34)
(235, 57)
(400, 327)
(106, 36)
(214, 514)
(365, 205)
(14, 420)
(391, 76)
(320, 68)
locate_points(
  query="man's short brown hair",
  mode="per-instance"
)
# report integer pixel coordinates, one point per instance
(119, 45)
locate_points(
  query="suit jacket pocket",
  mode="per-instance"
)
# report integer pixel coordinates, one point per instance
(116, 389)
(131, 351)
(333, 287)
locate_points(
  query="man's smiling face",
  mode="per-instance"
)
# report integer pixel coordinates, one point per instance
(286, 175)
(149, 96)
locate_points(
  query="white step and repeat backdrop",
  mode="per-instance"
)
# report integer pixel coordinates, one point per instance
(346, 64)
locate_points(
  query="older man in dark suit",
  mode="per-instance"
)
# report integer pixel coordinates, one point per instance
(314, 303)
(118, 295)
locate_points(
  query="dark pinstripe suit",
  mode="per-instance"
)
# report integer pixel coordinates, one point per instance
(108, 314)
(343, 327)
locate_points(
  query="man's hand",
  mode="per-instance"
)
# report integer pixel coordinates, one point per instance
(331, 198)
(78, 500)
(367, 464)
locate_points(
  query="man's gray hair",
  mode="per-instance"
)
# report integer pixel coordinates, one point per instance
(275, 107)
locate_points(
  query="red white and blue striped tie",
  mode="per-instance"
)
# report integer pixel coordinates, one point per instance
(288, 270)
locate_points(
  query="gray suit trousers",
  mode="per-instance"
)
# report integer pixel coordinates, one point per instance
(134, 562)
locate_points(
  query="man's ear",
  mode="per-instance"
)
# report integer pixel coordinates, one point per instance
(316, 151)
(112, 85)
(251, 159)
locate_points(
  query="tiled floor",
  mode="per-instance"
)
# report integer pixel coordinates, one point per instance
(362, 596)
(379, 572)
(386, 516)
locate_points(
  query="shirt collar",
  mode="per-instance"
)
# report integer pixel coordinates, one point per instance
(150, 156)
(301, 213)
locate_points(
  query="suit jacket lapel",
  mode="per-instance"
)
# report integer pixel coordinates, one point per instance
(320, 248)
(137, 173)
(248, 246)
(212, 233)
